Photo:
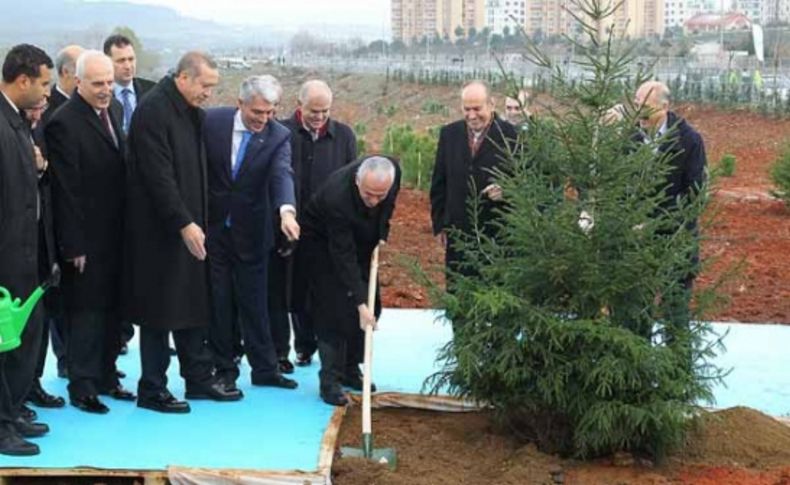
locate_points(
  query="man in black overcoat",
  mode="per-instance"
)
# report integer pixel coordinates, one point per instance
(47, 258)
(86, 150)
(25, 83)
(342, 224)
(685, 150)
(166, 274)
(54, 320)
(468, 152)
(319, 146)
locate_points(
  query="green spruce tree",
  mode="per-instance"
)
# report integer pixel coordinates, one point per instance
(574, 324)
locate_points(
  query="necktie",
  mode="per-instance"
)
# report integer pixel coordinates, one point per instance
(245, 140)
(105, 119)
(126, 94)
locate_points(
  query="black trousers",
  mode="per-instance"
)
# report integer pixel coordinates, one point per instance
(92, 350)
(278, 300)
(242, 286)
(194, 358)
(54, 329)
(18, 367)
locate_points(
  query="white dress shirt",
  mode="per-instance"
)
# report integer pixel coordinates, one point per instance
(238, 133)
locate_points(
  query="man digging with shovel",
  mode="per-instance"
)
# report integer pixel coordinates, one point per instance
(343, 223)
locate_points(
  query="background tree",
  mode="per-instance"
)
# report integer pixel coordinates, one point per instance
(570, 322)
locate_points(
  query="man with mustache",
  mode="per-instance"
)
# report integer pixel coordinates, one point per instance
(86, 150)
(166, 275)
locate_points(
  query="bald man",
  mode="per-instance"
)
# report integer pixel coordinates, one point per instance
(468, 152)
(320, 145)
(343, 223)
(686, 154)
(86, 150)
(66, 69)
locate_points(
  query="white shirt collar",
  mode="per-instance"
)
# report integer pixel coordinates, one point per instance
(10, 102)
(61, 91)
(238, 125)
(662, 129)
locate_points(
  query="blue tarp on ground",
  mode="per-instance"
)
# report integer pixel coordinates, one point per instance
(281, 430)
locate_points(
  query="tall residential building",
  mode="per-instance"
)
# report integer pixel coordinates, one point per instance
(751, 8)
(637, 18)
(703, 6)
(548, 17)
(675, 13)
(474, 14)
(451, 17)
(775, 11)
(413, 20)
(506, 13)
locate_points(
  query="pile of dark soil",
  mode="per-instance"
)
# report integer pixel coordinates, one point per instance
(737, 446)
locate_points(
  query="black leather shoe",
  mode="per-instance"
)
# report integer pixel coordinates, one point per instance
(27, 429)
(90, 404)
(276, 381)
(303, 359)
(164, 402)
(28, 414)
(285, 366)
(333, 395)
(41, 398)
(216, 391)
(13, 444)
(355, 382)
(120, 394)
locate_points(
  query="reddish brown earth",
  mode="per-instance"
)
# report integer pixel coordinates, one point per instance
(745, 226)
(736, 446)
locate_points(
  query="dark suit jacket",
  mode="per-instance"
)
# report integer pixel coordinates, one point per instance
(263, 184)
(88, 175)
(688, 160)
(314, 161)
(56, 100)
(455, 169)
(18, 201)
(166, 287)
(339, 234)
(141, 87)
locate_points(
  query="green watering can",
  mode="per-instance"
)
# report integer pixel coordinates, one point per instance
(14, 314)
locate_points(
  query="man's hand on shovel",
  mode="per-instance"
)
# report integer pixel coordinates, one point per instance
(366, 318)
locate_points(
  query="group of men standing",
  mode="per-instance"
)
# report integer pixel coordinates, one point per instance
(179, 220)
(221, 228)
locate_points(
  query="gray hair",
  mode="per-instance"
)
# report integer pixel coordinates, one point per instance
(265, 86)
(480, 83)
(89, 55)
(191, 63)
(309, 86)
(65, 62)
(381, 167)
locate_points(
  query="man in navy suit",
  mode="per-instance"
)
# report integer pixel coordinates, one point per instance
(249, 177)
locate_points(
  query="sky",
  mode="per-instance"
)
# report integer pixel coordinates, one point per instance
(289, 14)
